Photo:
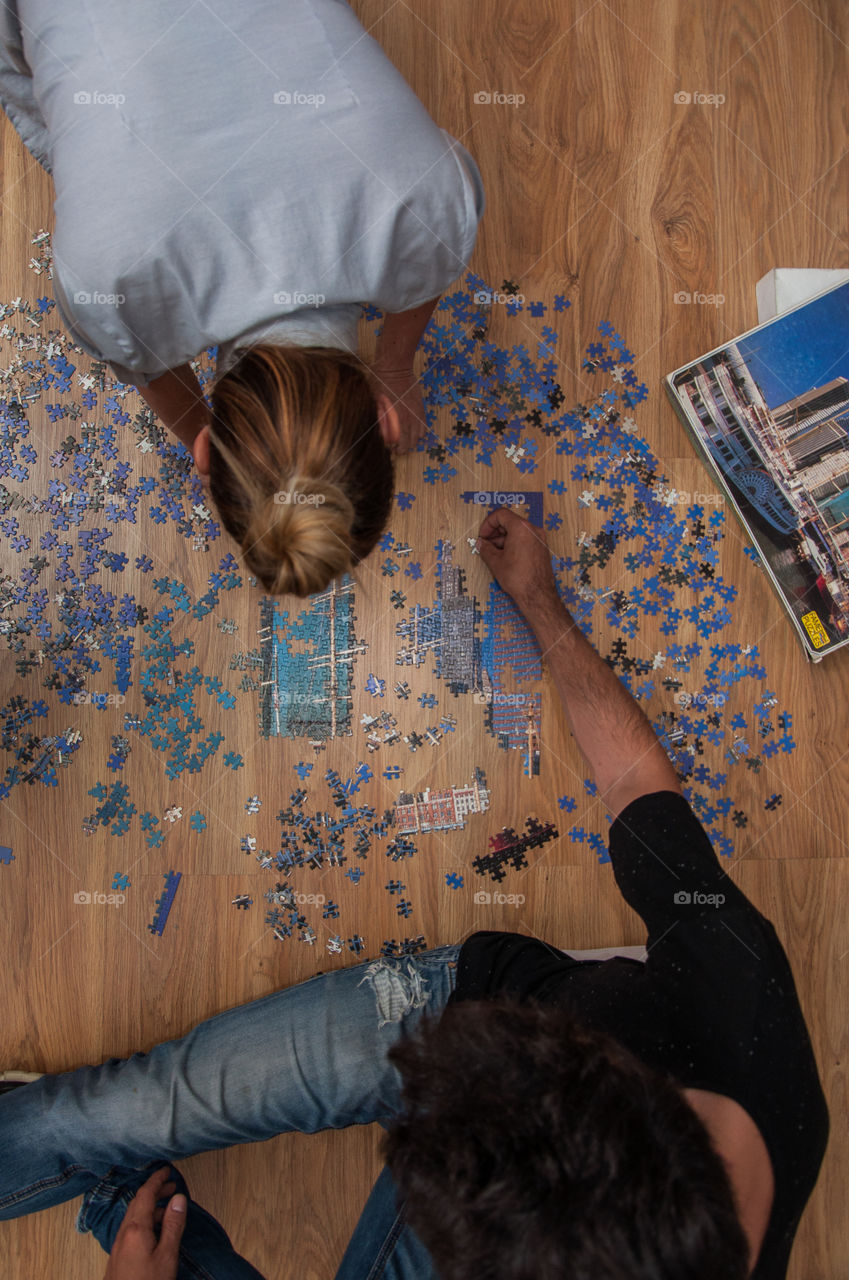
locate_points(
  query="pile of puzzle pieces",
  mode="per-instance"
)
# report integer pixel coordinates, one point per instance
(91, 646)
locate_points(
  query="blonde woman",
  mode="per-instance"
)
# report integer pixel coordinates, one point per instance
(245, 174)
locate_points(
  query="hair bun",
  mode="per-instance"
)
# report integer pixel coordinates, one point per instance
(300, 538)
(298, 468)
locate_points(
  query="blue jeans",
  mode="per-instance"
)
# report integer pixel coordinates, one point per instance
(307, 1058)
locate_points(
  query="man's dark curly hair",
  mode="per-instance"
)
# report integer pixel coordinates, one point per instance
(532, 1148)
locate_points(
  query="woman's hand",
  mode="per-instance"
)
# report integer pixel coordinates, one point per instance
(401, 411)
(136, 1253)
(177, 400)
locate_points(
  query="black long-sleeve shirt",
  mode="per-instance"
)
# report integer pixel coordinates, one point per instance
(714, 1005)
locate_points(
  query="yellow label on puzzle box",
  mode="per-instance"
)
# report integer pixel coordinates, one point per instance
(815, 629)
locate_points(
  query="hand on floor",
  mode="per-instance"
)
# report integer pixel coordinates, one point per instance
(401, 407)
(137, 1254)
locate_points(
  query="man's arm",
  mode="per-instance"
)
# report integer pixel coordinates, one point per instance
(622, 749)
(177, 400)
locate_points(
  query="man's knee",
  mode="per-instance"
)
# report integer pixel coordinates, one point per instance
(397, 991)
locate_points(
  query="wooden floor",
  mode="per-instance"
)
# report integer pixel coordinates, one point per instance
(600, 186)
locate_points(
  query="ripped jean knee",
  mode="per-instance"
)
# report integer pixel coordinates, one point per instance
(397, 990)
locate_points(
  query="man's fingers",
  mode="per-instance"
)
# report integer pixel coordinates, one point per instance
(165, 1194)
(143, 1206)
(144, 1201)
(173, 1224)
(492, 526)
(489, 552)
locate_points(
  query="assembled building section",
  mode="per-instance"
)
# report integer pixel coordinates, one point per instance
(443, 809)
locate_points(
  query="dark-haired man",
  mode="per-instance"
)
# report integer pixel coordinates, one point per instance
(602, 1119)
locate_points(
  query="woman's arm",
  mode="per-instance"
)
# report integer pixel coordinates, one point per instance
(393, 376)
(176, 399)
(402, 332)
